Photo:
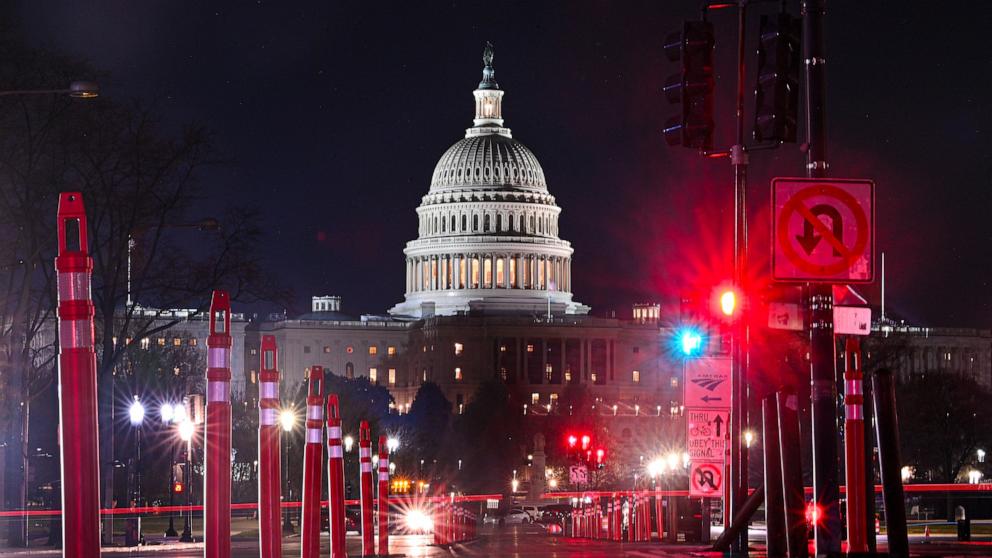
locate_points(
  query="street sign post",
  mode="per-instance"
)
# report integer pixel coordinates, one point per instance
(823, 230)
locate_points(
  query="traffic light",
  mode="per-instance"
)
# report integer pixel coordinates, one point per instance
(690, 341)
(777, 91)
(692, 88)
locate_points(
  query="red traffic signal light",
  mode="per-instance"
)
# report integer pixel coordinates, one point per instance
(177, 488)
(728, 302)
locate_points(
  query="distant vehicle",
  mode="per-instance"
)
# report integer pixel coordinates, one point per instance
(517, 516)
(352, 520)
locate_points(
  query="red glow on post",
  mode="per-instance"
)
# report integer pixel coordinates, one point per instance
(572, 440)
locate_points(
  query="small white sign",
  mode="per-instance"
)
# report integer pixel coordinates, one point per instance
(785, 315)
(707, 383)
(852, 320)
(706, 434)
(578, 474)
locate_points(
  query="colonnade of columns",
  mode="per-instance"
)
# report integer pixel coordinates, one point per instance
(488, 271)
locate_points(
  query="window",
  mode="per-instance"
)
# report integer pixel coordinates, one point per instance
(503, 374)
(392, 376)
(254, 377)
(373, 350)
(568, 376)
(192, 341)
(391, 351)
(637, 350)
(424, 375)
(145, 343)
(459, 348)
(373, 375)
(502, 348)
(458, 374)
(349, 370)
(547, 372)
(530, 348)
(306, 349)
(593, 377)
(486, 223)
(675, 381)
(176, 342)
(251, 352)
(535, 398)
(553, 399)
(636, 376)
(161, 342)
(475, 222)
(327, 350)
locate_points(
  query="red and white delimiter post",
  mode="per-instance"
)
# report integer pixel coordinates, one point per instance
(365, 478)
(313, 453)
(217, 480)
(335, 478)
(269, 468)
(78, 430)
(854, 447)
(383, 493)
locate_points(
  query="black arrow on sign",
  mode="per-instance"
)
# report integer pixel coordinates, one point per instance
(719, 421)
(809, 239)
(707, 398)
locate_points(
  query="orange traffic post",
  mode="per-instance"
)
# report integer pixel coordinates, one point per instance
(313, 453)
(217, 480)
(335, 478)
(269, 469)
(383, 493)
(78, 428)
(365, 485)
(854, 445)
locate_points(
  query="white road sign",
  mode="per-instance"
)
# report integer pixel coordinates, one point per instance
(852, 320)
(707, 383)
(706, 434)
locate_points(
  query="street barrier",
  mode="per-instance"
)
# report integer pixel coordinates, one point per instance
(383, 493)
(217, 480)
(269, 451)
(312, 458)
(365, 483)
(854, 445)
(77, 383)
(335, 478)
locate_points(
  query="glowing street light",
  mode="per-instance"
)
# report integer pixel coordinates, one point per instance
(981, 455)
(186, 431)
(906, 473)
(728, 302)
(179, 414)
(515, 484)
(166, 411)
(974, 476)
(748, 437)
(136, 412)
(673, 459)
(392, 443)
(656, 467)
(287, 418)
(349, 442)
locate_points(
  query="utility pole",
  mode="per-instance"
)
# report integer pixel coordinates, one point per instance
(826, 494)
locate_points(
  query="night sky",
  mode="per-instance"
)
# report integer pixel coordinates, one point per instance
(334, 114)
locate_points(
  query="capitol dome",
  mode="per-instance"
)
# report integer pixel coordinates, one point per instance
(488, 227)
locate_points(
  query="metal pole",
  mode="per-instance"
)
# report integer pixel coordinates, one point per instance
(217, 481)
(171, 531)
(826, 493)
(312, 457)
(774, 502)
(739, 412)
(789, 442)
(269, 473)
(287, 522)
(889, 462)
(77, 384)
(187, 535)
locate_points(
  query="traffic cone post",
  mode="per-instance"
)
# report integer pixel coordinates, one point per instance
(335, 478)
(383, 494)
(312, 458)
(365, 483)
(217, 480)
(79, 441)
(269, 468)
(854, 445)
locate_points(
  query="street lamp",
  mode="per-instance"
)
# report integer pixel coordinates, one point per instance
(136, 414)
(186, 429)
(974, 476)
(168, 412)
(349, 442)
(981, 455)
(392, 443)
(287, 418)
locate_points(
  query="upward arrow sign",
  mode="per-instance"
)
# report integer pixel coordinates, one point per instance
(718, 421)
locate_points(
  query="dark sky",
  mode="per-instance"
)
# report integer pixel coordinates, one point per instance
(335, 113)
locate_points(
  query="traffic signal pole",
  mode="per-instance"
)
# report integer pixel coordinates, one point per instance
(826, 492)
(739, 362)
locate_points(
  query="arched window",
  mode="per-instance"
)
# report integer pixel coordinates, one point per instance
(464, 223)
(444, 223)
(540, 225)
(452, 223)
(349, 370)
(499, 222)
(532, 227)
(475, 222)
(486, 222)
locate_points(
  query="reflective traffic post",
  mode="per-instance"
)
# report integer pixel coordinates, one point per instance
(269, 470)
(335, 478)
(79, 441)
(217, 480)
(854, 445)
(383, 494)
(312, 458)
(365, 472)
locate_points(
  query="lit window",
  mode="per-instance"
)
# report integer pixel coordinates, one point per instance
(424, 349)
(424, 375)
(327, 349)
(145, 343)
(675, 381)
(554, 398)
(373, 375)
(458, 374)
(127, 340)
(535, 398)
(373, 350)
(502, 348)
(391, 351)
(192, 342)
(161, 341)
(593, 377)
(530, 348)
(252, 352)
(568, 375)
(547, 372)
(459, 348)
(176, 341)
(503, 374)
(392, 376)
(637, 376)
(254, 378)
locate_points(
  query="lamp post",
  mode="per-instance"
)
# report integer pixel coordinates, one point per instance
(167, 412)
(136, 415)
(287, 419)
(186, 429)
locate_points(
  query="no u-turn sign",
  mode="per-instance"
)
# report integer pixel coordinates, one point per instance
(823, 230)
